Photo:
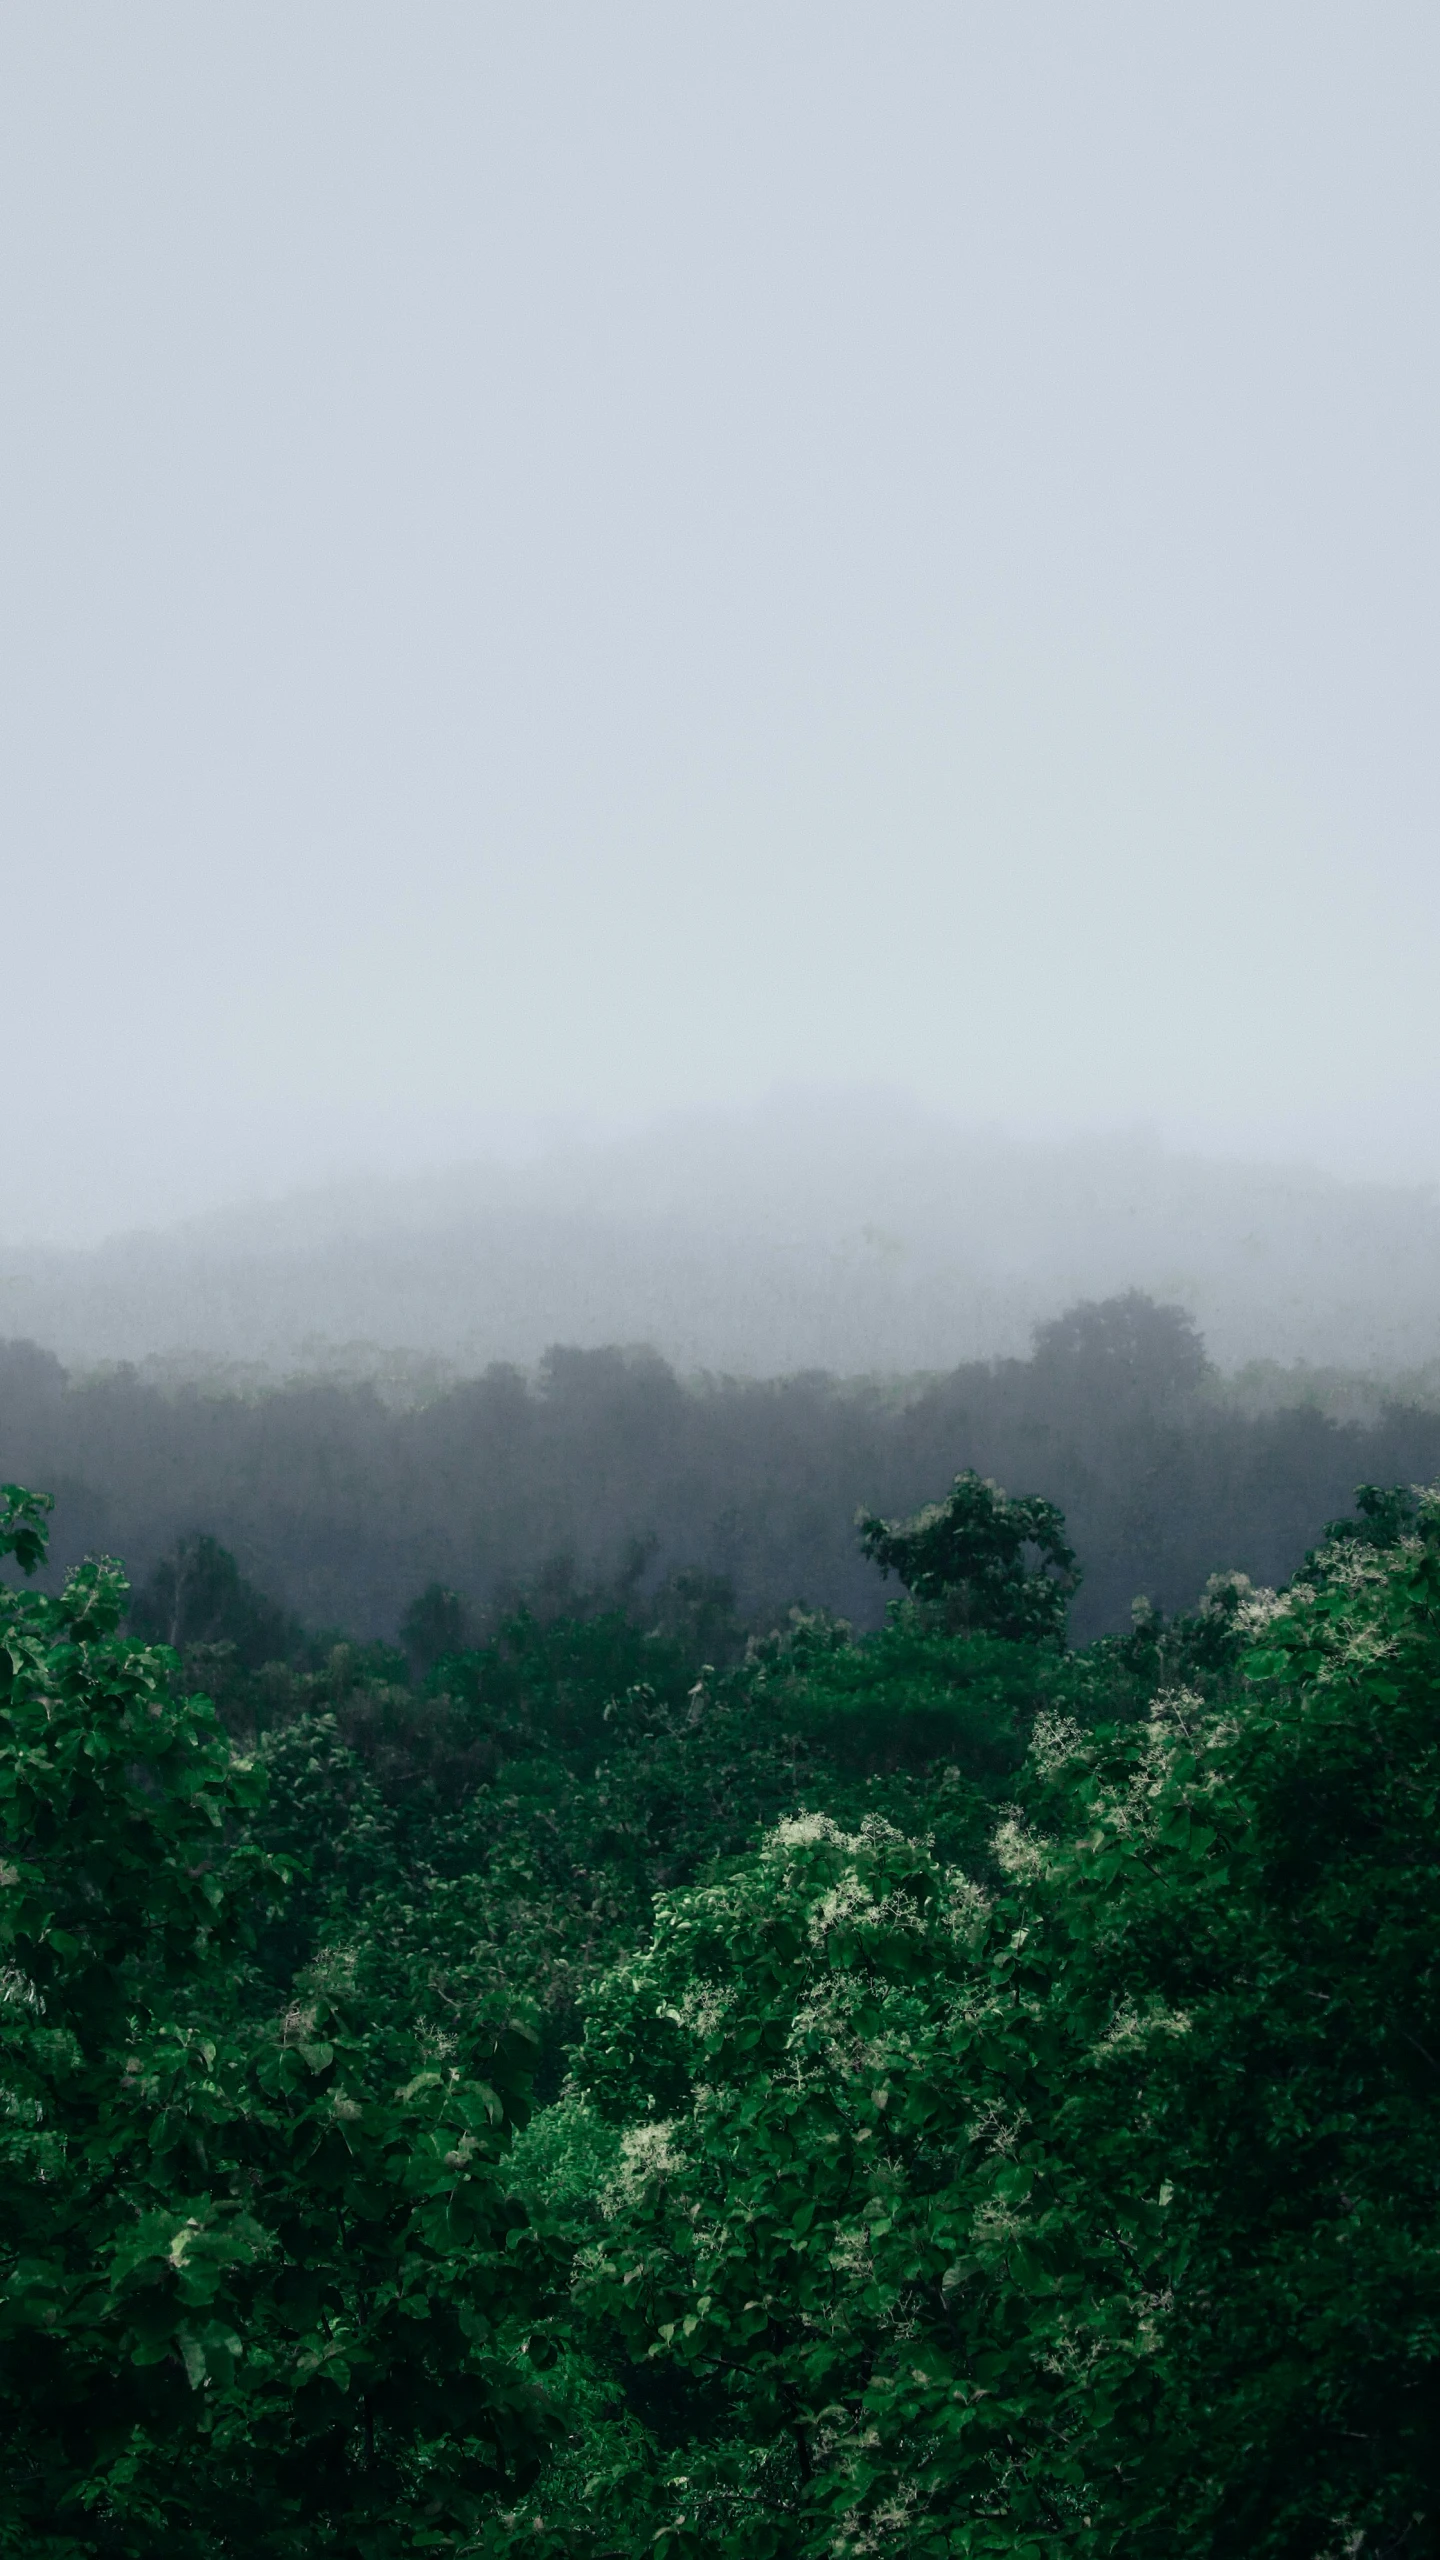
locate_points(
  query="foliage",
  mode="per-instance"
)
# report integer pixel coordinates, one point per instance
(970, 1556)
(987, 2089)
(1197, 1648)
(526, 1824)
(1384, 1514)
(1094, 2215)
(197, 1595)
(252, 2271)
(347, 1502)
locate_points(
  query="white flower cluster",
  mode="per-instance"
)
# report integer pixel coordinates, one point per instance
(847, 1898)
(1017, 1852)
(1055, 1740)
(647, 2152)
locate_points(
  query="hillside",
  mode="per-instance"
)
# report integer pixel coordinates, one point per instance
(869, 1239)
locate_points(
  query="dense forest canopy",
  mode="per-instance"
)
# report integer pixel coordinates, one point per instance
(529, 2028)
(598, 2085)
(345, 1506)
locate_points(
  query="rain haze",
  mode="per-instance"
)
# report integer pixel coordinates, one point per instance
(597, 592)
(719, 1279)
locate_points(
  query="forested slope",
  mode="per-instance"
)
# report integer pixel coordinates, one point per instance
(344, 1505)
(866, 1234)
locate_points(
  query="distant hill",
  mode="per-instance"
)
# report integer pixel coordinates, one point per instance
(864, 1240)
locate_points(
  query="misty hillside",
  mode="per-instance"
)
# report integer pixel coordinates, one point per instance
(343, 1505)
(864, 1240)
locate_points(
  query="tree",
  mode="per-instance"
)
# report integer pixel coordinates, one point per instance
(1093, 2214)
(970, 1556)
(197, 1595)
(1123, 1351)
(254, 2271)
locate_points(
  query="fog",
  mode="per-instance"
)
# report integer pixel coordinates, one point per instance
(568, 567)
(863, 1237)
(719, 1276)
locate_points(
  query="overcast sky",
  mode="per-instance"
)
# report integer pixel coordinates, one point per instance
(569, 561)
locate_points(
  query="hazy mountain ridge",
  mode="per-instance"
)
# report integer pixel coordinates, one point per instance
(865, 1241)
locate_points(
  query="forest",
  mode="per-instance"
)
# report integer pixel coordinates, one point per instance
(606, 2068)
(344, 1503)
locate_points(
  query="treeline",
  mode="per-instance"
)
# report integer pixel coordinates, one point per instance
(345, 1508)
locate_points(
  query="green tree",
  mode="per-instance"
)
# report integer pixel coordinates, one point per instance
(197, 1595)
(989, 1560)
(255, 2272)
(1091, 2214)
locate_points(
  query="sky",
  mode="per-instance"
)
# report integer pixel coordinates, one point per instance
(564, 563)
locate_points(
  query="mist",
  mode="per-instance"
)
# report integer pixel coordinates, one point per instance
(861, 1236)
(565, 568)
(719, 1277)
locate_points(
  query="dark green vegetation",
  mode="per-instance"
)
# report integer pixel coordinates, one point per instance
(593, 2085)
(345, 1508)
